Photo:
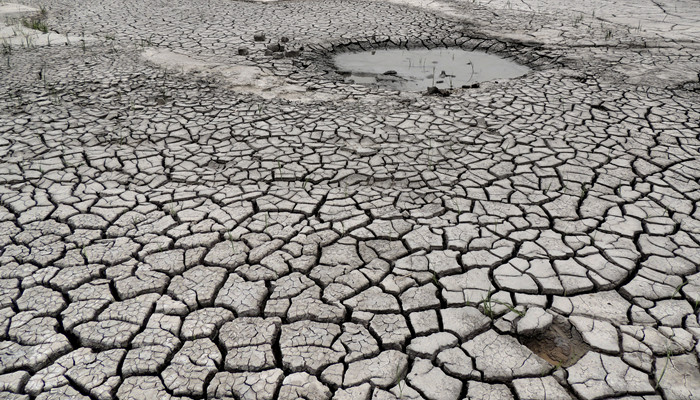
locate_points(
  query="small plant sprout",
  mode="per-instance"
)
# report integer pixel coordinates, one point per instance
(7, 51)
(558, 366)
(608, 34)
(510, 308)
(678, 289)
(549, 186)
(663, 371)
(584, 189)
(398, 381)
(35, 23)
(487, 306)
(229, 237)
(436, 280)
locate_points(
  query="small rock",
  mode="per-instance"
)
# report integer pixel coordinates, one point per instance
(486, 391)
(390, 72)
(540, 388)
(434, 90)
(598, 375)
(601, 335)
(514, 359)
(535, 321)
(243, 51)
(432, 382)
(284, 39)
(455, 362)
(259, 37)
(429, 346)
(275, 47)
(303, 385)
(291, 53)
(681, 379)
(465, 322)
(380, 371)
(14, 382)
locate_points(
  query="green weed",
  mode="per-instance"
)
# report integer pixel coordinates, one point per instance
(678, 289)
(232, 243)
(398, 381)
(663, 371)
(35, 23)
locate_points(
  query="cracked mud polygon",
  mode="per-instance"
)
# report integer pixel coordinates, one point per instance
(197, 203)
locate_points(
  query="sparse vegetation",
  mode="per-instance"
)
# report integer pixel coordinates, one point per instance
(663, 371)
(7, 52)
(678, 289)
(35, 23)
(232, 242)
(398, 381)
(487, 305)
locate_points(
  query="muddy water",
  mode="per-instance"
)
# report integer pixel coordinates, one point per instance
(417, 69)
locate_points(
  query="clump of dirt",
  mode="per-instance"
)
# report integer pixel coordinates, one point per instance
(561, 345)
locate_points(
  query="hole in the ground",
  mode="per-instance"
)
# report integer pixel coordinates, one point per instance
(418, 69)
(560, 345)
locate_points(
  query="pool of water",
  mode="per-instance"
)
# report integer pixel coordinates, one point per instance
(417, 69)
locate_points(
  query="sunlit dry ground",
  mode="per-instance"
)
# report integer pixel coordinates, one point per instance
(186, 212)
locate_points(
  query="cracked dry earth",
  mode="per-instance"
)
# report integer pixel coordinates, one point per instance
(169, 232)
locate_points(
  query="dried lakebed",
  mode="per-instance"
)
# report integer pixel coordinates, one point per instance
(195, 204)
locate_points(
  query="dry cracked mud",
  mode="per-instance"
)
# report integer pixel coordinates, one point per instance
(195, 204)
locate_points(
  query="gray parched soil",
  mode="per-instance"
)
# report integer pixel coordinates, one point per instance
(195, 203)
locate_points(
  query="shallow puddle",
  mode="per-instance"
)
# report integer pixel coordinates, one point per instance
(417, 69)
